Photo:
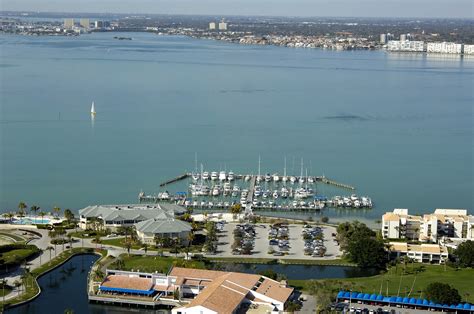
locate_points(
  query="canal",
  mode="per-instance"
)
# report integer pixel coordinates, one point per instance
(65, 287)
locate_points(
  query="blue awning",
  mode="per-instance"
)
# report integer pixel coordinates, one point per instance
(412, 301)
(399, 300)
(340, 294)
(360, 295)
(406, 300)
(373, 297)
(466, 306)
(347, 295)
(366, 296)
(379, 297)
(419, 301)
(121, 290)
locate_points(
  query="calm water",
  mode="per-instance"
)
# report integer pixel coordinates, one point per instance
(397, 126)
(299, 272)
(66, 286)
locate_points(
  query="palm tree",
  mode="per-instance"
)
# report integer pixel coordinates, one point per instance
(158, 240)
(145, 247)
(97, 241)
(40, 253)
(21, 209)
(34, 209)
(17, 284)
(128, 246)
(69, 237)
(49, 248)
(42, 214)
(56, 210)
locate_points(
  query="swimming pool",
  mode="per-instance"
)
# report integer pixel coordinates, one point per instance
(31, 221)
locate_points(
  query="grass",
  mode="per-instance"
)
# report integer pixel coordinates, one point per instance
(155, 263)
(121, 243)
(5, 291)
(13, 254)
(460, 279)
(15, 237)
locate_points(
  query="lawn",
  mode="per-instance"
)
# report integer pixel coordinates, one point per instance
(15, 237)
(13, 254)
(461, 279)
(121, 243)
(154, 263)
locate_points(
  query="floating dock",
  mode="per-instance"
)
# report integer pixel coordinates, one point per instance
(264, 192)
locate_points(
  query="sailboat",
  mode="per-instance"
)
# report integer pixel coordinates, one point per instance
(93, 109)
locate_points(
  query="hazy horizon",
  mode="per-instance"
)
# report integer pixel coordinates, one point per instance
(297, 8)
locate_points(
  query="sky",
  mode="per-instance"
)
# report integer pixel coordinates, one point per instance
(353, 8)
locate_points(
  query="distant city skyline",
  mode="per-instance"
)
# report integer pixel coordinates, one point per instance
(304, 8)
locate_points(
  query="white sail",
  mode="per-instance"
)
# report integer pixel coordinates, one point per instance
(93, 108)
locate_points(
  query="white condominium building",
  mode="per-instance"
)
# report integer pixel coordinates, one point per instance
(406, 45)
(449, 223)
(469, 49)
(424, 253)
(444, 47)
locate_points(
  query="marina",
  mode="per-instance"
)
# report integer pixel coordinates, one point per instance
(223, 190)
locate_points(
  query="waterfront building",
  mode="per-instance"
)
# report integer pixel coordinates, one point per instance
(85, 23)
(420, 253)
(444, 47)
(98, 24)
(468, 49)
(114, 216)
(454, 224)
(170, 228)
(222, 25)
(400, 225)
(199, 290)
(403, 37)
(383, 38)
(68, 23)
(212, 26)
(407, 45)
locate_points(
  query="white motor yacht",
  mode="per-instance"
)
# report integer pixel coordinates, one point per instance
(276, 178)
(213, 175)
(205, 175)
(310, 179)
(275, 194)
(231, 176)
(222, 176)
(247, 178)
(268, 177)
(292, 179)
(195, 176)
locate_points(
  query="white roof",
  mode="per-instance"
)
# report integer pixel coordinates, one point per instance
(131, 212)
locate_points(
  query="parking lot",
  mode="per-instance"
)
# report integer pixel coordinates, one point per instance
(261, 248)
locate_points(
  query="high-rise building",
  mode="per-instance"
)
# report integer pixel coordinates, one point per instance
(449, 223)
(68, 23)
(98, 24)
(85, 23)
(212, 26)
(222, 25)
(383, 38)
(403, 37)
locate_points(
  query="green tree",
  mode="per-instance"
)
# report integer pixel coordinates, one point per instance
(128, 246)
(21, 209)
(49, 248)
(465, 254)
(42, 214)
(34, 209)
(442, 293)
(56, 210)
(69, 215)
